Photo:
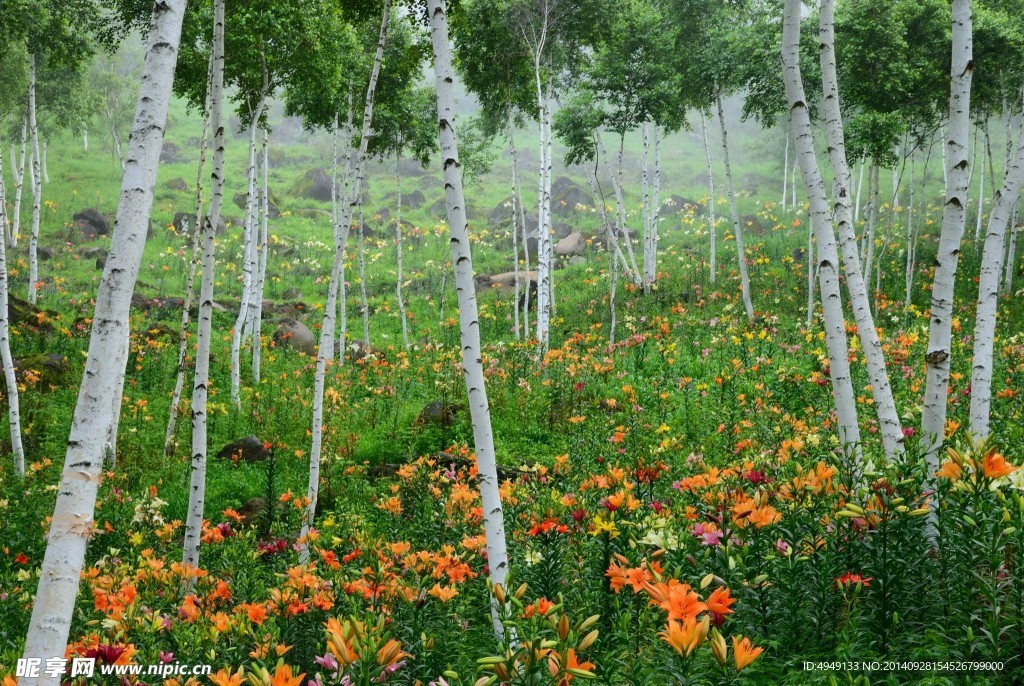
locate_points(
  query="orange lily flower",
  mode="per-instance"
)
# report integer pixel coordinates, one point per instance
(744, 652)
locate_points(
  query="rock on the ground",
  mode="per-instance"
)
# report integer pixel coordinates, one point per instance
(249, 449)
(573, 244)
(294, 334)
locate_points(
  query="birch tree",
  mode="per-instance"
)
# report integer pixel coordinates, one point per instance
(357, 164)
(469, 324)
(1006, 200)
(72, 523)
(828, 255)
(885, 405)
(204, 334)
(11, 381)
(937, 357)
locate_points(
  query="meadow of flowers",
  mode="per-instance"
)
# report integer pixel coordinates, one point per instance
(678, 507)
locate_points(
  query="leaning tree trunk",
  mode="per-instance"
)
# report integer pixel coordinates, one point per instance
(885, 404)
(341, 237)
(515, 235)
(737, 228)
(201, 377)
(195, 258)
(828, 255)
(472, 365)
(988, 291)
(37, 183)
(72, 524)
(933, 418)
(712, 229)
(19, 184)
(249, 266)
(13, 411)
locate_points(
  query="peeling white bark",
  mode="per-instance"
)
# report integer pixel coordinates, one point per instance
(72, 523)
(988, 291)
(748, 305)
(472, 363)
(937, 357)
(207, 234)
(13, 406)
(828, 254)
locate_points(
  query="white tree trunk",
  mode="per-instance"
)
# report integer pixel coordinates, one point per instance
(341, 237)
(810, 275)
(201, 377)
(828, 255)
(620, 211)
(912, 234)
(398, 251)
(13, 406)
(250, 237)
(981, 196)
(860, 186)
(85, 140)
(785, 164)
(472, 365)
(933, 418)
(869, 239)
(652, 205)
(72, 524)
(46, 171)
(517, 194)
(748, 305)
(645, 212)
(988, 291)
(262, 255)
(885, 405)
(37, 183)
(364, 302)
(613, 251)
(712, 223)
(515, 232)
(544, 296)
(195, 257)
(1011, 257)
(19, 184)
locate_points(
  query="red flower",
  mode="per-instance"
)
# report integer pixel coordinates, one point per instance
(21, 558)
(850, 579)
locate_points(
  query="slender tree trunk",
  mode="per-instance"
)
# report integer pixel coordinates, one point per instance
(609, 228)
(19, 184)
(828, 255)
(712, 223)
(981, 191)
(398, 247)
(204, 334)
(881, 390)
(246, 306)
(810, 275)
(869, 242)
(933, 418)
(651, 258)
(737, 228)
(988, 291)
(85, 140)
(37, 183)
(517, 192)
(472, 365)
(620, 211)
(912, 233)
(364, 301)
(46, 170)
(543, 218)
(72, 523)
(515, 231)
(860, 185)
(549, 257)
(645, 212)
(341, 237)
(792, 188)
(785, 163)
(263, 255)
(195, 257)
(13, 406)
(1011, 256)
